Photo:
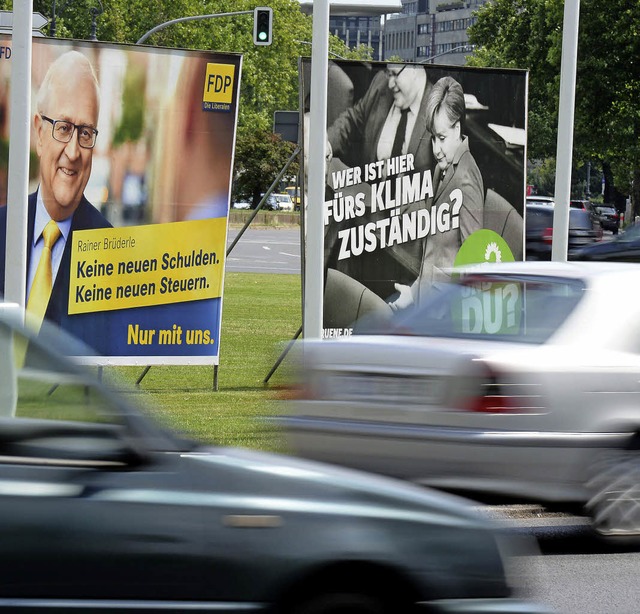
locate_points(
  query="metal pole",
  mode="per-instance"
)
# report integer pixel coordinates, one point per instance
(15, 286)
(282, 356)
(93, 36)
(161, 26)
(314, 270)
(335, 55)
(141, 40)
(437, 55)
(52, 23)
(276, 181)
(142, 375)
(95, 12)
(564, 154)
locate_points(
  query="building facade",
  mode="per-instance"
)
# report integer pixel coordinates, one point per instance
(424, 31)
(430, 31)
(359, 30)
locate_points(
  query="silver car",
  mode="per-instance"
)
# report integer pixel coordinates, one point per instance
(501, 384)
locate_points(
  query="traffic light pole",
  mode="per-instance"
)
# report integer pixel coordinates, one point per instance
(141, 40)
(161, 26)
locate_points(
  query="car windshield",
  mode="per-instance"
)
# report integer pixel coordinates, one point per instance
(515, 308)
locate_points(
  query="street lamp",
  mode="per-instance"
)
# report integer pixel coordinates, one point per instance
(330, 52)
(161, 26)
(95, 12)
(437, 55)
(52, 23)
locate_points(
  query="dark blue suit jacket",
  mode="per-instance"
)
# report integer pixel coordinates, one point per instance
(92, 328)
(354, 137)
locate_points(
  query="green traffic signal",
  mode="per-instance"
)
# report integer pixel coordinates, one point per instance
(262, 25)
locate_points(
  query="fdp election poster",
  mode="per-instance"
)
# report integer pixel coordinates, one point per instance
(426, 170)
(131, 157)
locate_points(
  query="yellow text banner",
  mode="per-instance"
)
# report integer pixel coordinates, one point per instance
(140, 266)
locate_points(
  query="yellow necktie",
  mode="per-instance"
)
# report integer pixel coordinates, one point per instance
(42, 281)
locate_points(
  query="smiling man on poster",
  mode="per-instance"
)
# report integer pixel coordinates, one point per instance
(65, 125)
(143, 290)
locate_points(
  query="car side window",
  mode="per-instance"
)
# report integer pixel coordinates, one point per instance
(52, 413)
(50, 391)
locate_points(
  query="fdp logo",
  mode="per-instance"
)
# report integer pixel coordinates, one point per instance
(218, 87)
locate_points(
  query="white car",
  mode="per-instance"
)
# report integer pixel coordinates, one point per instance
(504, 383)
(541, 200)
(241, 204)
(284, 202)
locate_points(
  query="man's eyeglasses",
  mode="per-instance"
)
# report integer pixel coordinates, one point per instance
(394, 75)
(62, 131)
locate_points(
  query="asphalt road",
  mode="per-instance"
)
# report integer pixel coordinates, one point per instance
(570, 571)
(265, 250)
(573, 571)
(271, 250)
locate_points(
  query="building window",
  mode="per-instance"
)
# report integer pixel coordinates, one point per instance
(410, 8)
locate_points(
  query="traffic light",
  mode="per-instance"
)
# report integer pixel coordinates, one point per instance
(262, 25)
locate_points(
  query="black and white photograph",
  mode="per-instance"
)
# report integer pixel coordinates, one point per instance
(420, 158)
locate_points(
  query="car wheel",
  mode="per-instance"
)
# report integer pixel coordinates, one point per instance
(614, 505)
(341, 603)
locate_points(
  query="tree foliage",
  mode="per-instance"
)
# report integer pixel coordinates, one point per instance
(528, 34)
(260, 155)
(131, 124)
(269, 73)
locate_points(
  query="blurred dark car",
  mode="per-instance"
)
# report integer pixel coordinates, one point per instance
(539, 231)
(103, 510)
(623, 248)
(609, 218)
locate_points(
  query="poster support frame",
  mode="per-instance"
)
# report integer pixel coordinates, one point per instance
(276, 181)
